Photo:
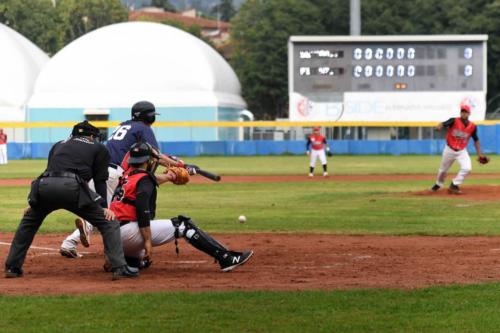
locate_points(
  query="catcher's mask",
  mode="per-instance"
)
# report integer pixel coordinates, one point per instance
(142, 152)
(144, 111)
(85, 129)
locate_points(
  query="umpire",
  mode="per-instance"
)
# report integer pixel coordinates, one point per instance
(71, 164)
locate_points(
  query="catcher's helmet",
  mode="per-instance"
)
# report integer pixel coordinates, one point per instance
(144, 111)
(141, 152)
(85, 129)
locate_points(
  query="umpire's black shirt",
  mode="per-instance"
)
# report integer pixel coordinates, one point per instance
(84, 157)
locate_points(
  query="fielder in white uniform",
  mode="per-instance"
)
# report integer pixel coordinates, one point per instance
(459, 131)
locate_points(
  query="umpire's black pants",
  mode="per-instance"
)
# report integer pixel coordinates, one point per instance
(63, 193)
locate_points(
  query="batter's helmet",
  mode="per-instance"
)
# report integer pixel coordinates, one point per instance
(144, 111)
(141, 152)
(85, 129)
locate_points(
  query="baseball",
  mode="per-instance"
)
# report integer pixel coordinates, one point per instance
(242, 218)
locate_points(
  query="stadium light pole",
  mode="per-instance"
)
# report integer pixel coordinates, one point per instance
(355, 30)
(355, 27)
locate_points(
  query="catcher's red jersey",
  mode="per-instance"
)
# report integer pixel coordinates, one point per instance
(458, 134)
(125, 195)
(317, 141)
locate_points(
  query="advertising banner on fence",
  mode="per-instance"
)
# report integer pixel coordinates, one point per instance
(387, 106)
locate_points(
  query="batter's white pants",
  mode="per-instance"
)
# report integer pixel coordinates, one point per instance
(315, 154)
(3, 154)
(450, 156)
(114, 176)
(162, 232)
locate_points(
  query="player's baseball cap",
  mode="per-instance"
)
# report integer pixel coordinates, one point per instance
(316, 128)
(464, 106)
(141, 152)
(84, 128)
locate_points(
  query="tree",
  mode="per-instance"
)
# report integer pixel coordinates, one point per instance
(81, 16)
(224, 10)
(260, 33)
(164, 4)
(36, 20)
(194, 30)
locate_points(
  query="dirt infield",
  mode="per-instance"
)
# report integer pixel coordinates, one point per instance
(281, 262)
(297, 178)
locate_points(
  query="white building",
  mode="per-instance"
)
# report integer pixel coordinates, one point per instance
(107, 70)
(21, 63)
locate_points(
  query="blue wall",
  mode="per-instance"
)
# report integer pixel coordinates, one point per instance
(264, 147)
(489, 139)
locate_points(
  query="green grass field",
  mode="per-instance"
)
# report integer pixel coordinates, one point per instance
(339, 207)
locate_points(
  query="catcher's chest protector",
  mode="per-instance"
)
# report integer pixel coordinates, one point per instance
(123, 204)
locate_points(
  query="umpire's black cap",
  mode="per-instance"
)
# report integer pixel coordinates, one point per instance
(140, 152)
(85, 129)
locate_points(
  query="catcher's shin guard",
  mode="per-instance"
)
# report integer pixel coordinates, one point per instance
(197, 237)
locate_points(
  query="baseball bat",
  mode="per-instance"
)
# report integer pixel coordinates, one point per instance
(204, 173)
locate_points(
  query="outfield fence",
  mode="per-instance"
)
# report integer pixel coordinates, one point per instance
(272, 138)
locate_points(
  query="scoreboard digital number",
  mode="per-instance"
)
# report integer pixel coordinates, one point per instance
(330, 71)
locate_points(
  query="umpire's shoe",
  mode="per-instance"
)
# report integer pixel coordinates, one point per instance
(454, 189)
(125, 272)
(13, 272)
(232, 259)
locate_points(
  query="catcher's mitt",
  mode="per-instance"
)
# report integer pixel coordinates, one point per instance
(483, 159)
(181, 175)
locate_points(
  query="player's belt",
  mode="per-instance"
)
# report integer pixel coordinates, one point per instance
(122, 223)
(60, 174)
(112, 165)
(453, 148)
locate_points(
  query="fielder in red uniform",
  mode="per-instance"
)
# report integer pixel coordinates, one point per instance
(3, 147)
(459, 131)
(315, 148)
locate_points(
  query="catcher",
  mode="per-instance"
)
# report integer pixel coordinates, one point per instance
(459, 131)
(134, 205)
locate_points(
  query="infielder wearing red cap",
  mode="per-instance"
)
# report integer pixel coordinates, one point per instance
(315, 147)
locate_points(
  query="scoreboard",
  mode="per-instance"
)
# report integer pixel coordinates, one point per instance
(386, 78)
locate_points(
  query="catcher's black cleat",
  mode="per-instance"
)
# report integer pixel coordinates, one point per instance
(125, 272)
(231, 260)
(454, 189)
(13, 272)
(435, 188)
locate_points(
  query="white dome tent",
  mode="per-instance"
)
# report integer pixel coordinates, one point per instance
(115, 66)
(21, 62)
